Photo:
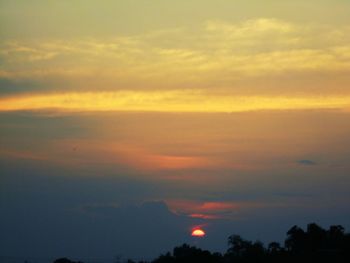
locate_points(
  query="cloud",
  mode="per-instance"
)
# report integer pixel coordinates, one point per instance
(135, 160)
(306, 162)
(166, 101)
(206, 210)
(216, 55)
(250, 32)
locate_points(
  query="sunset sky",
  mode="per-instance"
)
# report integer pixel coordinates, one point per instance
(126, 124)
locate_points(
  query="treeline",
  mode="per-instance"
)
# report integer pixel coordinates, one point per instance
(313, 245)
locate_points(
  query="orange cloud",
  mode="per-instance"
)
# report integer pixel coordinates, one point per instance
(165, 162)
(87, 152)
(217, 206)
(144, 159)
(204, 216)
(204, 210)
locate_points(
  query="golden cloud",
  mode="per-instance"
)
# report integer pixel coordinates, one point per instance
(167, 101)
(217, 55)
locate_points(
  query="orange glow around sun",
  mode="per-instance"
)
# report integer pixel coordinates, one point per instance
(198, 233)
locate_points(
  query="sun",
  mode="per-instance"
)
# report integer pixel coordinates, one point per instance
(198, 233)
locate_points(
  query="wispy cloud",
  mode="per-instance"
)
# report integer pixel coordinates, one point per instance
(216, 55)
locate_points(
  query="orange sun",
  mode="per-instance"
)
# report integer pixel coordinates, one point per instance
(198, 233)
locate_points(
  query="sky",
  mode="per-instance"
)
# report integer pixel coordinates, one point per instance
(126, 124)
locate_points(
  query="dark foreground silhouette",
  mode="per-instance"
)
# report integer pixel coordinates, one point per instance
(313, 245)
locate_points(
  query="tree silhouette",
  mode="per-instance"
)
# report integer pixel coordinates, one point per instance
(237, 245)
(274, 248)
(65, 260)
(313, 245)
(241, 250)
(189, 254)
(295, 241)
